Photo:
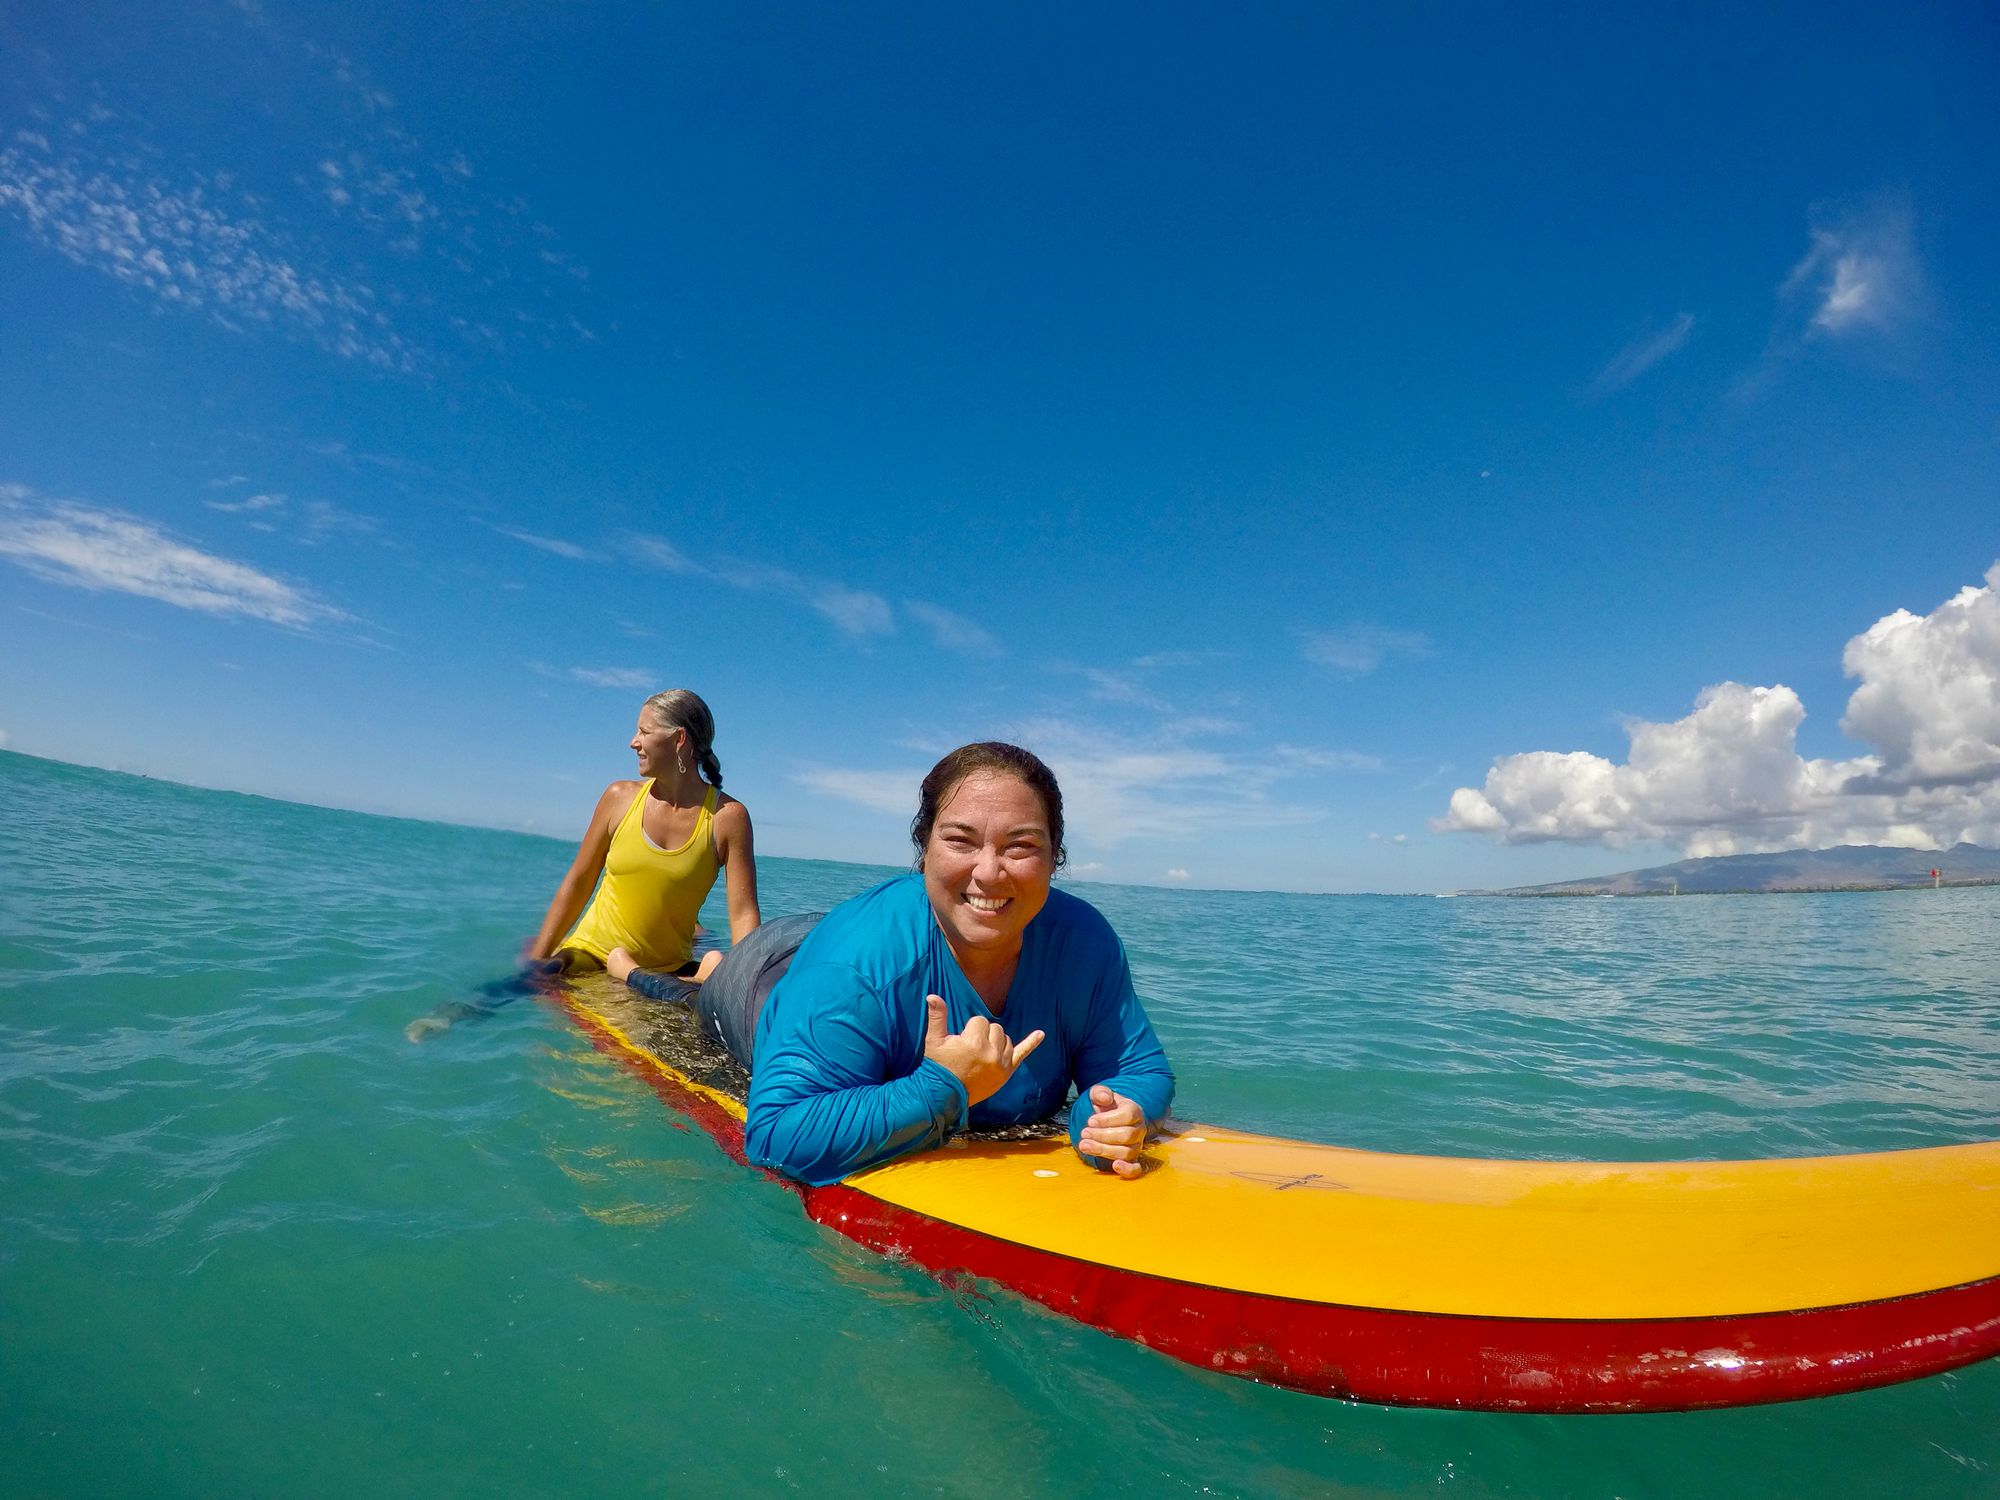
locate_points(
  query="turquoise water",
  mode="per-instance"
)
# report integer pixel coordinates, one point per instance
(253, 1242)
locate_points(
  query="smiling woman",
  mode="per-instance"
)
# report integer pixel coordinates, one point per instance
(967, 993)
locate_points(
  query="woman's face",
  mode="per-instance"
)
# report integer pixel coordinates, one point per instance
(656, 745)
(988, 863)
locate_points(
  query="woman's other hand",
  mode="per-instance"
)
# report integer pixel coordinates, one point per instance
(981, 1057)
(1115, 1132)
(619, 964)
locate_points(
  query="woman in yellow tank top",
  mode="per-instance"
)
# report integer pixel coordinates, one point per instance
(651, 855)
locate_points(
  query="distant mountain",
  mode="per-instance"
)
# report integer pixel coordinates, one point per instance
(1851, 867)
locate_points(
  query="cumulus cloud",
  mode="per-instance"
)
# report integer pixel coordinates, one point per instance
(1929, 699)
(1360, 649)
(1860, 274)
(1639, 356)
(1728, 778)
(87, 547)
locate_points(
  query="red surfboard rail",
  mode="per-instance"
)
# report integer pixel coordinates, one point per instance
(1385, 1354)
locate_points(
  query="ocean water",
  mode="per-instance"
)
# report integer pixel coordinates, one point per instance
(255, 1243)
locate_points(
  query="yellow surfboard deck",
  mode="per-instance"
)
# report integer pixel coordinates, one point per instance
(1529, 1239)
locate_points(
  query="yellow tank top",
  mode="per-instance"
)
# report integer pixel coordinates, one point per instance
(649, 897)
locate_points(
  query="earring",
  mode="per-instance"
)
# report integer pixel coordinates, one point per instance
(681, 761)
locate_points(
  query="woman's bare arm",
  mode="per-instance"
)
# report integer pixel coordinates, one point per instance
(573, 894)
(735, 847)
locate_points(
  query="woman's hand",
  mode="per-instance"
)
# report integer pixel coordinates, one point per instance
(1116, 1131)
(619, 964)
(981, 1057)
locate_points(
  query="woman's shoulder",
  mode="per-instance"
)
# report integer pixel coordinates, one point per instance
(1075, 915)
(730, 811)
(618, 796)
(879, 932)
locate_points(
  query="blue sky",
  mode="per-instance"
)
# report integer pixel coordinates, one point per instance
(1405, 448)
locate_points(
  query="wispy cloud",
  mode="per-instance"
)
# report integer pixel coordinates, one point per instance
(1132, 685)
(1108, 686)
(551, 544)
(858, 613)
(1117, 788)
(626, 679)
(187, 245)
(952, 630)
(258, 244)
(1306, 758)
(892, 792)
(1360, 649)
(855, 611)
(1640, 355)
(663, 554)
(247, 503)
(67, 542)
(1861, 274)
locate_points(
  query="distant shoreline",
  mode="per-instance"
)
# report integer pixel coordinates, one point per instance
(1747, 890)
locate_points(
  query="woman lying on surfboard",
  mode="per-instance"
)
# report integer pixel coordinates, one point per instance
(966, 992)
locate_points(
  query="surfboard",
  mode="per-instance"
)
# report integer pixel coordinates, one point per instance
(1428, 1281)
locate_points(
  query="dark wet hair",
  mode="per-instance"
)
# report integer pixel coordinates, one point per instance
(677, 708)
(970, 760)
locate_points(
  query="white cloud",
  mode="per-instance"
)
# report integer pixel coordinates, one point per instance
(1388, 838)
(1640, 355)
(1360, 649)
(1121, 687)
(1176, 874)
(324, 519)
(86, 547)
(551, 544)
(248, 503)
(181, 246)
(664, 554)
(892, 792)
(1861, 273)
(1929, 699)
(1305, 758)
(1115, 789)
(857, 612)
(626, 679)
(952, 630)
(1728, 778)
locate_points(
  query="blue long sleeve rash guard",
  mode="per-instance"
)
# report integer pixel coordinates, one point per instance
(840, 1080)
